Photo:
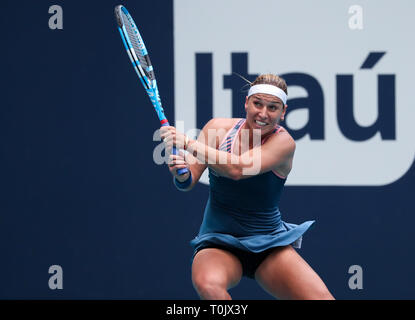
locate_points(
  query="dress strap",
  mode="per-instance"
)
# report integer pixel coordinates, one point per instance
(227, 142)
(276, 130)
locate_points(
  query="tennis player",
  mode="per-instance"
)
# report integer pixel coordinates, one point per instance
(242, 233)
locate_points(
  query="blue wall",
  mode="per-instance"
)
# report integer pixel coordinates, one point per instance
(79, 187)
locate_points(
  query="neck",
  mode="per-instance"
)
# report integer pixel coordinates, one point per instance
(251, 140)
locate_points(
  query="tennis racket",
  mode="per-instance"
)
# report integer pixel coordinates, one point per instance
(137, 52)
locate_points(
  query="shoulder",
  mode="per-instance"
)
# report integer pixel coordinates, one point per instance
(221, 123)
(281, 145)
(283, 140)
(216, 130)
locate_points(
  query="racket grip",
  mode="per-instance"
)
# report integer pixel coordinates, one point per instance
(181, 171)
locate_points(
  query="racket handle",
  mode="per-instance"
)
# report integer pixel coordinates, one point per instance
(181, 171)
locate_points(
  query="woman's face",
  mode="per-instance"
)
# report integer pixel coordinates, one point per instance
(264, 112)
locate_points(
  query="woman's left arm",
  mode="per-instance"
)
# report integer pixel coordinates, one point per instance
(276, 151)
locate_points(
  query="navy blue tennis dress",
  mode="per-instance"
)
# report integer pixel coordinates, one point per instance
(242, 216)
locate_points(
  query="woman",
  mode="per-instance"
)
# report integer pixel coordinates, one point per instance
(242, 233)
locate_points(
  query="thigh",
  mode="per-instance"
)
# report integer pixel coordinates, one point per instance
(216, 266)
(286, 275)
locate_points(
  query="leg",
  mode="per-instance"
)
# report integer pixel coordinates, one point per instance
(214, 271)
(285, 275)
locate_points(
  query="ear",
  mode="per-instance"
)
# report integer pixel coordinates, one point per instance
(246, 103)
(283, 112)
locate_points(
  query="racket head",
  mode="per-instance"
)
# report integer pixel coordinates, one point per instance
(134, 40)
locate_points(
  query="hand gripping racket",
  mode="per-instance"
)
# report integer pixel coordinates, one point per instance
(140, 59)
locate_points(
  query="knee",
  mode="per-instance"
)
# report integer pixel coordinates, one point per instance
(322, 293)
(326, 296)
(211, 291)
(210, 287)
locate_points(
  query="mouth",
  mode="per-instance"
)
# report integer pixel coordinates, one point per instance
(260, 123)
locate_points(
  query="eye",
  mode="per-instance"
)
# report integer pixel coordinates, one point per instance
(257, 103)
(273, 107)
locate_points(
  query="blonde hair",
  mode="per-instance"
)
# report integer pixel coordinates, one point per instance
(267, 78)
(271, 79)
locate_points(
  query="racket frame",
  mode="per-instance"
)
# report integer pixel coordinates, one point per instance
(146, 77)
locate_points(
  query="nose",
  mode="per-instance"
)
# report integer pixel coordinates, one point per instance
(263, 113)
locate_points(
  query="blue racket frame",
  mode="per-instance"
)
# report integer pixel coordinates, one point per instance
(150, 85)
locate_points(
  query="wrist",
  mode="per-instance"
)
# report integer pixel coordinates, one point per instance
(191, 147)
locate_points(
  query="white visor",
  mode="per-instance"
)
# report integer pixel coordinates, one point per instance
(268, 89)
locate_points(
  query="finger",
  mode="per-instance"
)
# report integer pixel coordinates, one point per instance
(180, 166)
(168, 150)
(177, 142)
(165, 135)
(175, 163)
(176, 156)
(173, 169)
(168, 141)
(168, 137)
(163, 131)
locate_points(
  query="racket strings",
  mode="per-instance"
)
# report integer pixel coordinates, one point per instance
(131, 32)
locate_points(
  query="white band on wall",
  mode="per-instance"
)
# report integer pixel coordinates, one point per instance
(268, 89)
